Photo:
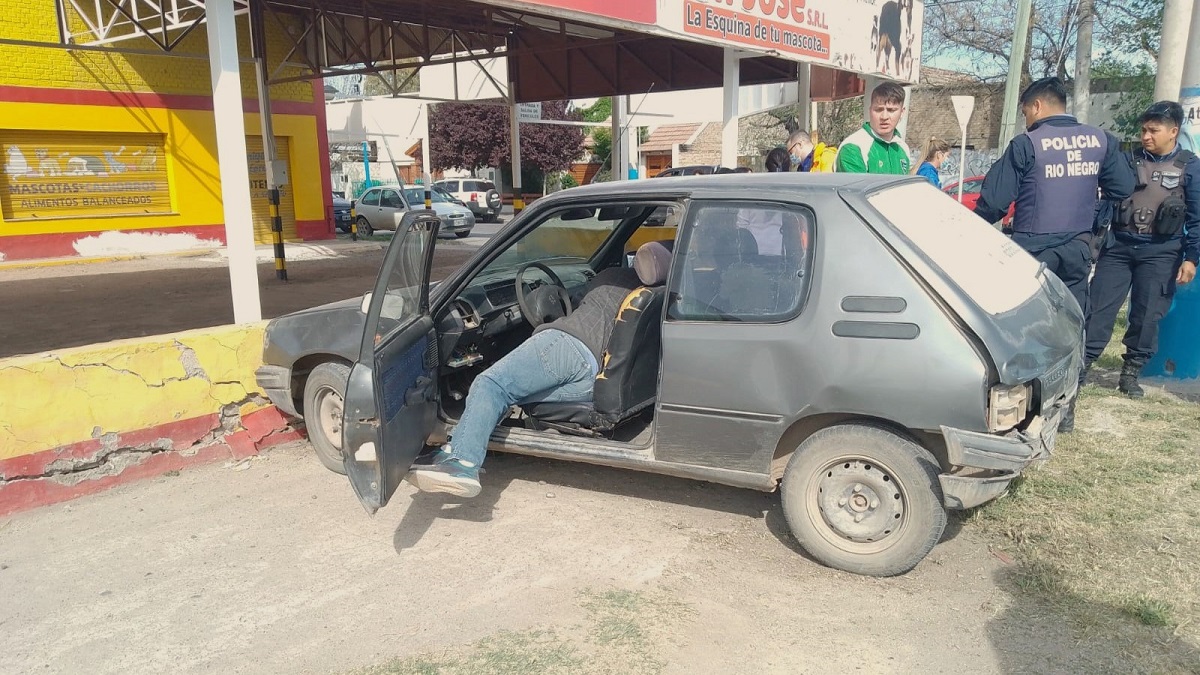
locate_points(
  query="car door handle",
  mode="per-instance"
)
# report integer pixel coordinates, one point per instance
(421, 391)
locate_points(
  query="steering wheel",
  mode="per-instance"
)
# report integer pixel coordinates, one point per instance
(544, 303)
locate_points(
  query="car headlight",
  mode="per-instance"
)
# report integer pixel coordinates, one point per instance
(1007, 406)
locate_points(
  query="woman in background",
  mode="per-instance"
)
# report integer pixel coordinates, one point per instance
(778, 161)
(936, 152)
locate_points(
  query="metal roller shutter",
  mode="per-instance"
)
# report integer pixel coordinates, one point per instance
(260, 207)
(73, 174)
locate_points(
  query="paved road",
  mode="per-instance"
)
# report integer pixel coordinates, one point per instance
(87, 304)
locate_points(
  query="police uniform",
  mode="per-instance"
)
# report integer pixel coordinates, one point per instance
(1152, 232)
(1052, 171)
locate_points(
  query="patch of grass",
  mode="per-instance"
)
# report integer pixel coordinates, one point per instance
(536, 651)
(1105, 534)
(620, 636)
(1150, 611)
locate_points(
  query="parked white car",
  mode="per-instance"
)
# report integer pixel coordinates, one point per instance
(477, 194)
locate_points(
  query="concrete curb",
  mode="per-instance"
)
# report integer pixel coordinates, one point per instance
(60, 262)
(32, 481)
(80, 420)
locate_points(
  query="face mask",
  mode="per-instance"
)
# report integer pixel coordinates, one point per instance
(795, 159)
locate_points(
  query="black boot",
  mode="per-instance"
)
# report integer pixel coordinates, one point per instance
(1067, 423)
(1128, 384)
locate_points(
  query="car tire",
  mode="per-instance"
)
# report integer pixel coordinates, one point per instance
(463, 235)
(863, 499)
(324, 401)
(364, 227)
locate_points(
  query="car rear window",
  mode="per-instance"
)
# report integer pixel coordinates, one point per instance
(998, 274)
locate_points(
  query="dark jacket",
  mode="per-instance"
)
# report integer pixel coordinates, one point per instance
(1003, 181)
(592, 322)
(1191, 196)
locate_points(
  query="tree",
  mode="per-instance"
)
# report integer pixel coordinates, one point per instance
(472, 136)
(980, 33)
(403, 81)
(599, 111)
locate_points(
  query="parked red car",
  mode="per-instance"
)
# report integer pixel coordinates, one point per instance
(971, 188)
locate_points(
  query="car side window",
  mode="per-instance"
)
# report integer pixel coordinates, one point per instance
(973, 187)
(371, 198)
(391, 199)
(743, 262)
(450, 186)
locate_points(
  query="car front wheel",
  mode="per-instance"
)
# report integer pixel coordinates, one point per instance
(863, 499)
(364, 227)
(324, 395)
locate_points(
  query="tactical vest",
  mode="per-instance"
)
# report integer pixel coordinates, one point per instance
(1059, 194)
(1157, 206)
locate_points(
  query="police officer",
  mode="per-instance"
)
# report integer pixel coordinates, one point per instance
(1052, 171)
(1152, 245)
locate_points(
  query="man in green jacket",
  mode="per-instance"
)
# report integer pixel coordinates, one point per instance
(876, 147)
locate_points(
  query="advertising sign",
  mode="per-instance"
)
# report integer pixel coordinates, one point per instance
(637, 11)
(865, 36)
(1189, 135)
(80, 174)
(529, 112)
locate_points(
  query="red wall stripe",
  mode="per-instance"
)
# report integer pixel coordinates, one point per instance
(144, 100)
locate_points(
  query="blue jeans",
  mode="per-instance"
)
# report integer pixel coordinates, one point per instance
(550, 366)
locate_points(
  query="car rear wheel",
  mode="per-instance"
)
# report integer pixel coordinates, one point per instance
(364, 227)
(324, 396)
(863, 499)
(463, 235)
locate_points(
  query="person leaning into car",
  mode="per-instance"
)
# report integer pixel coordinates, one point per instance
(1052, 171)
(1153, 244)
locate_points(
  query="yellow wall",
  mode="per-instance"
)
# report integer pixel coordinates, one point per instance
(56, 399)
(191, 161)
(35, 21)
(190, 134)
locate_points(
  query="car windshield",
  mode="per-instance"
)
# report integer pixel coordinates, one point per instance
(416, 196)
(984, 263)
(572, 234)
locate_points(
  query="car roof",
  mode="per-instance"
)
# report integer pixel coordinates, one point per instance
(733, 182)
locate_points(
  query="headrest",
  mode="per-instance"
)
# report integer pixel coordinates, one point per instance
(652, 263)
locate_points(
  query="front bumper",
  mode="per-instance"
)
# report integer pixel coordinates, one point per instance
(983, 465)
(276, 382)
(458, 224)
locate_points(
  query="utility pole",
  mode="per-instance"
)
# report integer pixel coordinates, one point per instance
(1016, 66)
(1172, 51)
(1083, 62)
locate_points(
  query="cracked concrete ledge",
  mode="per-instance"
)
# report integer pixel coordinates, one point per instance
(78, 421)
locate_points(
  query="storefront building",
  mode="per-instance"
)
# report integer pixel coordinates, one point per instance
(115, 153)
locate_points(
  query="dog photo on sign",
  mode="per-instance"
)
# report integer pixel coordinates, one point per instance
(893, 22)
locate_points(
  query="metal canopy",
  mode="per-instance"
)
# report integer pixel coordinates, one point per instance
(549, 57)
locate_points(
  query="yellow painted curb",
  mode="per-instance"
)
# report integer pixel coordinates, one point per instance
(59, 398)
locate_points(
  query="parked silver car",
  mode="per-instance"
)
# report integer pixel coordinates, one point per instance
(456, 218)
(861, 343)
(382, 208)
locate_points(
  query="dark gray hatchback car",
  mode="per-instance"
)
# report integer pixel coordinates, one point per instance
(864, 344)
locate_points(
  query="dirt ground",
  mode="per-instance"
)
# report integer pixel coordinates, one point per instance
(56, 307)
(556, 567)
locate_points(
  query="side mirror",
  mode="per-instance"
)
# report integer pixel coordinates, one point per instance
(366, 303)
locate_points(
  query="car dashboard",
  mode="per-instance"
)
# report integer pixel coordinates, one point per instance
(484, 321)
